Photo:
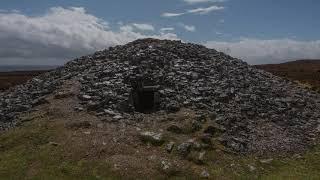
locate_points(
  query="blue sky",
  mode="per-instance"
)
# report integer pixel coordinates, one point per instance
(258, 31)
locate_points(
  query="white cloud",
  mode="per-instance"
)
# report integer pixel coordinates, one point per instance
(256, 51)
(65, 33)
(167, 29)
(144, 27)
(199, 11)
(126, 28)
(11, 11)
(189, 28)
(203, 1)
(205, 10)
(58, 35)
(172, 14)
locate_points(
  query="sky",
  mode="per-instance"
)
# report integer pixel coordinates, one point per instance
(47, 32)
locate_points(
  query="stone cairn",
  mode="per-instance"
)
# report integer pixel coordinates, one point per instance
(259, 111)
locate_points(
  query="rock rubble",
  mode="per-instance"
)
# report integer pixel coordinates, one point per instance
(258, 112)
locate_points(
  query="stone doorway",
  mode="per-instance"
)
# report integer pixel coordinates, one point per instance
(146, 99)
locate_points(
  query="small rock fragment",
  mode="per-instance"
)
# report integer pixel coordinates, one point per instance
(318, 129)
(196, 126)
(206, 139)
(165, 165)
(85, 97)
(110, 112)
(151, 137)
(210, 130)
(117, 117)
(214, 129)
(184, 148)
(78, 108)
(61, 95)
(266, 161)
(175, 129)
(54, 143)
(204, 174)
(251, 168)
(200, 118)
(169, 147)
(173, 107)
(201, 157)
(39, 101)
(27, 119)
(297, 156)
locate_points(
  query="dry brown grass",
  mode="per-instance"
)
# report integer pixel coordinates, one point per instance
(9, 79)
(306, 72)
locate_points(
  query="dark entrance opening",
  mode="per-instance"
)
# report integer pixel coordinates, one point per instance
(146, 99)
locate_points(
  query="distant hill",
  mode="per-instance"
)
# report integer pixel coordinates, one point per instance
(305, 71)
(10, 68)
(13, 78)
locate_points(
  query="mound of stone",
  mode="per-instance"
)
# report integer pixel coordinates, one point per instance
(259, 112)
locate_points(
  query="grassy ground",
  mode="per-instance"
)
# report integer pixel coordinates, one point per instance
(31, 152)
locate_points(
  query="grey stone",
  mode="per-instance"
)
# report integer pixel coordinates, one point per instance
(39, 101)
(61, 95)
(169, 147)
(165, 165)
(196, 126)
(85, 97)
(117, 117)
(151, 137)
(201, 157)
(266, 161)
(206, 139)
(184, 148)
(110, 112)
(318, 129)
(175, 129)
(173, 107)
(54, 143)
(251, 168)
(204, 174)
(79, 108)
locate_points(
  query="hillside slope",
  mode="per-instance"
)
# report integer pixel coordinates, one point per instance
(305, 71)
(10, 79)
